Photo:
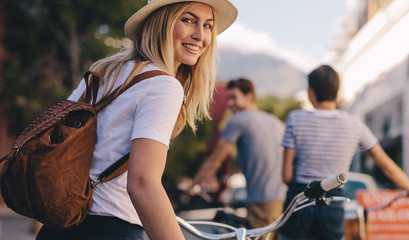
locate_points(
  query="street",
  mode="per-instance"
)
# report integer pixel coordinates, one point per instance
(14, 226)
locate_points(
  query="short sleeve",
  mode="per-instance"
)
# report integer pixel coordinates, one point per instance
(366, 139)
(156, 113)
(232, 130)
(289, 136)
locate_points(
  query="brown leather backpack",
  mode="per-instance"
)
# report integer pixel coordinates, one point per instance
(46, 174)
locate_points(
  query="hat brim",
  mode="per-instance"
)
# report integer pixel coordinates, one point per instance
(226, 13)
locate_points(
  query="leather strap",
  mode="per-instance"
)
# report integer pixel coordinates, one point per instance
(115, 169)
(105, 101)
(121, 165)
(90, 90)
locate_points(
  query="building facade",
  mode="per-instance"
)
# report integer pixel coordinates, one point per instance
(374, 68)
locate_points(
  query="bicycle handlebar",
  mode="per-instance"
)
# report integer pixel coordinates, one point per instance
(317, 189)
(312, 195)
(334, 181)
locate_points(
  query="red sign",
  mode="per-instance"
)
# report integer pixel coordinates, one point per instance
(391, 222)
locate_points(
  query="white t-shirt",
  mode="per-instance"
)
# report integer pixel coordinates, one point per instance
(148, 109)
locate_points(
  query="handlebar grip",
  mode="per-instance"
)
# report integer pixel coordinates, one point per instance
(317, 189)
(333, 181)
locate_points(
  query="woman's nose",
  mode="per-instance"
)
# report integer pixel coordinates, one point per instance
(198, 33)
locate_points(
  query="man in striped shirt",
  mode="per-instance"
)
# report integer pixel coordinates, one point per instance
(320, 143)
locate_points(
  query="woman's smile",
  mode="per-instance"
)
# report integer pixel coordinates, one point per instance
(192, 34)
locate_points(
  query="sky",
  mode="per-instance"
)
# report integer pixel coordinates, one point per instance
(300, 31)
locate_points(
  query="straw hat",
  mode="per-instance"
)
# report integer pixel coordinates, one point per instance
(225, 13)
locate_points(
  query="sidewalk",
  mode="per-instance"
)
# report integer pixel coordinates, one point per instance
(14, 226)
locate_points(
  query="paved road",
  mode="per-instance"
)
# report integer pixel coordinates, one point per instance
(14, 226)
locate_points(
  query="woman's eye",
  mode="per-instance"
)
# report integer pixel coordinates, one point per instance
(208, 26)
(187, 20)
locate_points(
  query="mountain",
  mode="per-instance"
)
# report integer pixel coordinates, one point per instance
(270, 75)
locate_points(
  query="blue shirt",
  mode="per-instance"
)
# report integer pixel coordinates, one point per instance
(258, 136)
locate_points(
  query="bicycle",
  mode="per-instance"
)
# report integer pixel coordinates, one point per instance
(314, 194)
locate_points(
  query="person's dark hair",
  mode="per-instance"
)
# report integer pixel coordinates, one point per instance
(245, 85)
(324, 81)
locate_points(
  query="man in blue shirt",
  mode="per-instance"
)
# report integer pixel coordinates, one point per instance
(257, 136)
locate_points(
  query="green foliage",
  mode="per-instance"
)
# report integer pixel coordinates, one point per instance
(278, 107)
(49, 45)
(187, 151)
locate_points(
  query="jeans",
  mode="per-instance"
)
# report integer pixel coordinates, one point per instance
(95, 228)
(314, 222)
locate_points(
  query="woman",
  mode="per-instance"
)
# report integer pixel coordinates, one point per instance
(177, 37)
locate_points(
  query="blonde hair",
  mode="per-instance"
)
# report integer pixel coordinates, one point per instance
(155, 44)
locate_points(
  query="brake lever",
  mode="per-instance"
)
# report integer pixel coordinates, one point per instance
(323, 201)
(339, 199)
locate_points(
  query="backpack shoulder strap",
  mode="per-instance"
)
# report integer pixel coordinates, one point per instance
(113, 171)
(145, 75)
(121, 165)
(91, 88)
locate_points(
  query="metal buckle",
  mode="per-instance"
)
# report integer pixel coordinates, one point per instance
(17, 150)
(77, 124)
(95, 183)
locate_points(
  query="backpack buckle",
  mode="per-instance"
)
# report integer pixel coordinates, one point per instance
(17, 149)
(95, 183)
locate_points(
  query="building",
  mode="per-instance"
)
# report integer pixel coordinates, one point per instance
(374, 68)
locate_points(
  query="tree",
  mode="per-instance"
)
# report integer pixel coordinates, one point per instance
(277, 106)
(49, 44)
(187, 151)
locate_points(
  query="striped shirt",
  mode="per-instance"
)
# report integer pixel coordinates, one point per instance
(324, 142)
